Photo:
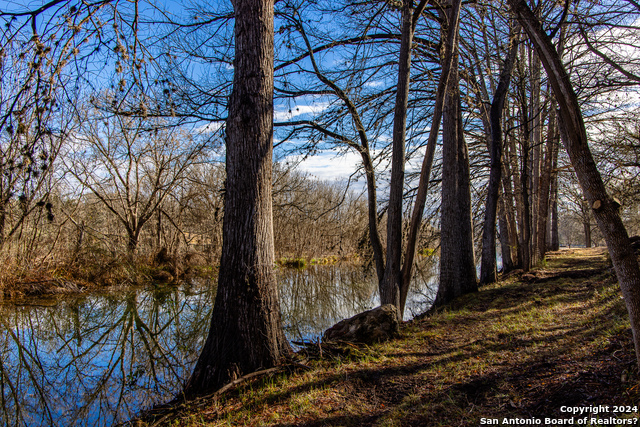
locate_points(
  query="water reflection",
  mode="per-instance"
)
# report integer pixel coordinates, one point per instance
(99, 359)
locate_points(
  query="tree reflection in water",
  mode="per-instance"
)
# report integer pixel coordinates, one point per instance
(315, 298)
(99, 359)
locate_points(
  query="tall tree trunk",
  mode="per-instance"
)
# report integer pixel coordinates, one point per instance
(508, 203)
(535, 118)
(427, 162)
(554, 235)
(3, 221)
(246, 329)
(587, 232)
(545, 184)
(505, 237)
(488, 271)
(605, 209)
(372, 213)
(390, 284)
(457, 264)
(586, 223)
(518, 219)
(525, 175)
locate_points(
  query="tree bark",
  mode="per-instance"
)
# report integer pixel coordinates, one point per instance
(390, 284)
(427, 162)
(488, 270)
(246, 329)
(572, 126)
(525, 175)
(508, 204)
(457, 264)
(505, 237)
(132, 243)
(554, 235)
(587, 232)
(535, 118)
(545, 183)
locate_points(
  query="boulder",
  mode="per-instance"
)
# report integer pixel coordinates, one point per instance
(377, 325)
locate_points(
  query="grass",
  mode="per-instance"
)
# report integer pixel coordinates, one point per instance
(522, 348)
(331, 259)
(426, 252)
(298, 263)
(95, 269)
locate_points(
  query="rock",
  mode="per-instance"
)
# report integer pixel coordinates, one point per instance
(635, 243)
(377, 325)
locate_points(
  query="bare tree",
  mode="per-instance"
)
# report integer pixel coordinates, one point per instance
(130, 168)
(457, 264)
(246, 328)
(488, 265)
(605, 209)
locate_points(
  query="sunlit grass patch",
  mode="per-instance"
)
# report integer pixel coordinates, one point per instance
(298, 263)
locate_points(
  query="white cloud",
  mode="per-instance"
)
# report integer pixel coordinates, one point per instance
(329, 166)
(212, 127)
(284, 114)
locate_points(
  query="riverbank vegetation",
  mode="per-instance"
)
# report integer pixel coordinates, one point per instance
(125, 166)
(520, 348)
(130, 162)
(86, 246)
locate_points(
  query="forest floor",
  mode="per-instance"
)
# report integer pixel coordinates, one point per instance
(520, 351)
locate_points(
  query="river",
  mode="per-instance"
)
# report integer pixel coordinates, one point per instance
(96, 359)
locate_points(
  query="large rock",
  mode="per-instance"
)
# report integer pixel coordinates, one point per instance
(377, 325)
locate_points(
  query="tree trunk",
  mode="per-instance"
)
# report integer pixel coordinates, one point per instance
(587, 233)
(525, 175)
(372, 211)
(457, 264)
(545, 183)
(572, 126)
(508, 204)
(535, 118)
(488, 271)
(525, 229)
(425, 172)
(246, 329)
(554, 235)
(390, 284)
(3, 221)
(133, 235)
(505, 238)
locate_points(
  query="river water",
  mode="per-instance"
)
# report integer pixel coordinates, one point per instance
(98, 359)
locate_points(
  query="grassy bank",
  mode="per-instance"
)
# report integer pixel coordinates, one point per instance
(522, 348)
(97, 270)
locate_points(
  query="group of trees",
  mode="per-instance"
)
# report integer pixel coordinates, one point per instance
(460, 116)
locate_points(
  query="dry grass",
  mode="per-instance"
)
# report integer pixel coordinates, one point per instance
(97, 269)
(520, 348)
